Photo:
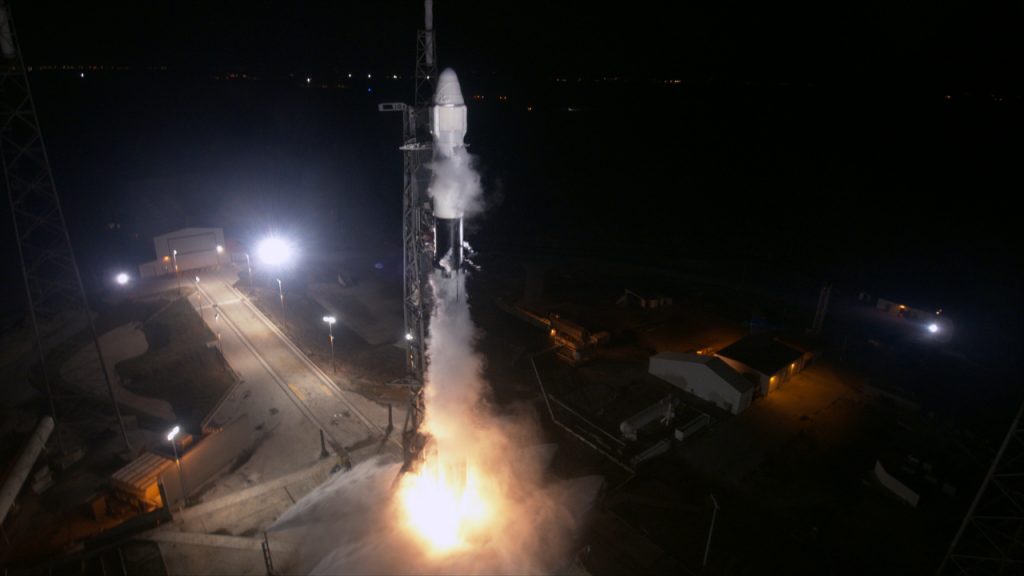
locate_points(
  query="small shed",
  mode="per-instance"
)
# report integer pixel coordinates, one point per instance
(764, 360)
(706, 377)
(137, 481)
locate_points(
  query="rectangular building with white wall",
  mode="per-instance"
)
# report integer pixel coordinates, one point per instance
(706, 377)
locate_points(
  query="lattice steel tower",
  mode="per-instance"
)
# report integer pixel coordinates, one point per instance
(75, 382)
(991, 538)
(417, 224)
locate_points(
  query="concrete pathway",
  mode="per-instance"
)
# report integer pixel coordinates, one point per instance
(287, 397)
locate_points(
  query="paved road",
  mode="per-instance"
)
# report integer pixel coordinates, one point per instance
(349, 419)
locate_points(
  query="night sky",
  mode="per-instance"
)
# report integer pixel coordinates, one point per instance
(954, 45)
(875, 144)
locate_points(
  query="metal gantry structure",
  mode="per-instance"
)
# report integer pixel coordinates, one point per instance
(74, 383)
(991, 538)
(417, 227)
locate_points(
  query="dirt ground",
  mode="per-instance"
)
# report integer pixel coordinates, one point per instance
(180, 366)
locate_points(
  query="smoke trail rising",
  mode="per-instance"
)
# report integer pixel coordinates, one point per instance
(479, 503)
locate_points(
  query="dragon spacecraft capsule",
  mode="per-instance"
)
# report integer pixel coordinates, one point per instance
(448, 126)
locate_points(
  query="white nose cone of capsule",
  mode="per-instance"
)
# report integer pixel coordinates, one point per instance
(448, 115)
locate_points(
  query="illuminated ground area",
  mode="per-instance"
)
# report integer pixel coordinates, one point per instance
(361, 522)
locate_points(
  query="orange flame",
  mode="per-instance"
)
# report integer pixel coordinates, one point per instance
(443, 511)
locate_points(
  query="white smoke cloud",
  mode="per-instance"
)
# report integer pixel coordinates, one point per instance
(357, 523)
(455, 185)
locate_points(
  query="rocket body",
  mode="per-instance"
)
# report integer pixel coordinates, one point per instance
(448, 117)
(448, 127)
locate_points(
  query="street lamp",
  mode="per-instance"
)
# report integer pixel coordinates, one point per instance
(274, 251)
(174, 446)
(122, 278)
(248, 266)
(330, 320)
(199, 299)
(174, 256)
(933, 328)
(216, 319)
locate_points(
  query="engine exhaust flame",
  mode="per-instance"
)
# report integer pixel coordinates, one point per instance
(445, 513)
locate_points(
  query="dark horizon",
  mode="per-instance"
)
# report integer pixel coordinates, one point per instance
(834, 162)
(957, 46)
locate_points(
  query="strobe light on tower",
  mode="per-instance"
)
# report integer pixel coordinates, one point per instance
(448, 127)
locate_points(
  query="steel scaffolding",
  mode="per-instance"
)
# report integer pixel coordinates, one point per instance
(991, 538)
(74, 383)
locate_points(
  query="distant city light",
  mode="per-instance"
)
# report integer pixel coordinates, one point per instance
(274, 251)
(122, 278)
(394, 76)
(308, 79)
(350, 75)
(369, 76)
(933, 328)
(81, 74)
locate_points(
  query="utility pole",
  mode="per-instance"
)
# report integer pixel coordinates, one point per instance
(57, 301)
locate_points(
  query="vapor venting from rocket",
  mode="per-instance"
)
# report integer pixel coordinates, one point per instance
(455, 185)
(479, 501)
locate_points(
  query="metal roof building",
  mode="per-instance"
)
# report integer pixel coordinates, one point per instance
(706, 377)
(764, 360)
(189, 249)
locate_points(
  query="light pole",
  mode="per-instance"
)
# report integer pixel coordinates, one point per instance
(248, 266)
(330, 320)
(199, 299)
(174, 446)
(216, 319)
(174, 256)
(280, 292)
(711, 530)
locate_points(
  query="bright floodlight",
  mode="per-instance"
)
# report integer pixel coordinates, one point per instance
(173, 433)
(330, 319)
(121, 278)
(933, 328)
(274, 251)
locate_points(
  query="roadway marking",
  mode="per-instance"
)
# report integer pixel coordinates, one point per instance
(297, 392)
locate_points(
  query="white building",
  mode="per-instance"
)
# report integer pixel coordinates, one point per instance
(706, 377)
(189, 248)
